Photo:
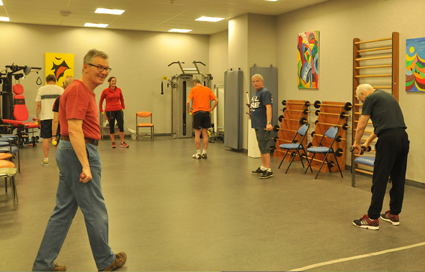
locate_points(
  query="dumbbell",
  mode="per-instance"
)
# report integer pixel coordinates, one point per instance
(302, 121)
(339, 152)
(305, 111)
(284, 102)
(347, 105)
(344, 126)
(364, 149)
(330, 163)
(341, 115)
(338, 138)
(276, 128)
(283, 140)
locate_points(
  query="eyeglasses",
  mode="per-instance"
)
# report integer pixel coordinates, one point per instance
(100, 68)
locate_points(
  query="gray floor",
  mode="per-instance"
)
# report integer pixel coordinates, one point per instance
(169, 212)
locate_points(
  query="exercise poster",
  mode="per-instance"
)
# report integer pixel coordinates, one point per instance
(61, 65)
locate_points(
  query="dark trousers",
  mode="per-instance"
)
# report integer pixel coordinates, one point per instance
(392, 149)
(119, 117)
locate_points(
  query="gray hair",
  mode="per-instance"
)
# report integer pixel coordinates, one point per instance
(259, 76)
(51, 78)
(363, 88)
(195, 80)
(88, 58)
(68, 80)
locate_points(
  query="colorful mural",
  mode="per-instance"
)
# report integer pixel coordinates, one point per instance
(308, 60)
(415, 65)
(60, 65)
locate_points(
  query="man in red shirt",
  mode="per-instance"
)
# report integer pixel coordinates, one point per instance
(80, 171)
(201, 109)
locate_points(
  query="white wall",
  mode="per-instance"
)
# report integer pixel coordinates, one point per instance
(138, 61)
(339, 22)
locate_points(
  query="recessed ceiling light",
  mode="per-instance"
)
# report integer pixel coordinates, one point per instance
(272, 0)
(4, 19)
(95, 25)
(1, 3)
(209, 19)
(110, 11)
(180, 30)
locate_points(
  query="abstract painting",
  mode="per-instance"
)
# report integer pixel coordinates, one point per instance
(308, 60)
(61, 65)
(415, 65)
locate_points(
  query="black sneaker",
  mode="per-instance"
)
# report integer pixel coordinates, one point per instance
(388, 217)
(267, 174)
(204, 156)
(366, 223)
(258, 171)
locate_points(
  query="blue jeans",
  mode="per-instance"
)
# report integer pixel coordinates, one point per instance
(72, 194)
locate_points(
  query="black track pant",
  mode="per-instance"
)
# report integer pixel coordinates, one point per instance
(115, 115)
(392, 149)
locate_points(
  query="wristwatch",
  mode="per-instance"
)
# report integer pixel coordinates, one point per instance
(269, 122)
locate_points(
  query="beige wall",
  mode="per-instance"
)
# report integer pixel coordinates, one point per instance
(339, 22)
(138, 61)
(218, 56)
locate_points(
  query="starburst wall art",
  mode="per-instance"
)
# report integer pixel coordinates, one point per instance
(61, 65)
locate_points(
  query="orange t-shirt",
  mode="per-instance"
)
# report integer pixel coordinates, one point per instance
(201, 97)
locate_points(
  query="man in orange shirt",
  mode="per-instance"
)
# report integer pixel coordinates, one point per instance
(201, 109)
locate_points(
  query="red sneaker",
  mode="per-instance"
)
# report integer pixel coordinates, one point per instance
(388, 217)
(124, 145)
(366, 223)
(114, 145)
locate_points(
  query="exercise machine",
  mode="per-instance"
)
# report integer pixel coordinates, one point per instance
(181, 122)
(7, 76)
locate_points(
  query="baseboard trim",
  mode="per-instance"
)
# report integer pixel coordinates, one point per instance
(409, 182)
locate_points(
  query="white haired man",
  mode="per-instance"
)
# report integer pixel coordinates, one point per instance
(391, 148)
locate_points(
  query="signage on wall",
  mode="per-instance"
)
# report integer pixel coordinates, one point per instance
(61, 65)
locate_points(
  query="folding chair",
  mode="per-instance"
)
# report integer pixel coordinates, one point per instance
(6, 146)
(330, 133)
(8, 170)
(365, 160)
(302, 131)
(144, 114)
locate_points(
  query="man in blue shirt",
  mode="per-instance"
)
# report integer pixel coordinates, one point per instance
(261, 121)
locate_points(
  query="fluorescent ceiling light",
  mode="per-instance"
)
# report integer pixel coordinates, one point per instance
(1, 3)
(110, 11)
(209, 19)
(272, 0)
(180, 30)
(4, 19)
(95, 25)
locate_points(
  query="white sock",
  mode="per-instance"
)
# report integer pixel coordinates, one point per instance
(269, 169)
(204, 151)
(263, 168)
(198, 151)
(46, 159)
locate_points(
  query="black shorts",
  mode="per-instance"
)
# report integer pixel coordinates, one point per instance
(46, 129)
(201, 119)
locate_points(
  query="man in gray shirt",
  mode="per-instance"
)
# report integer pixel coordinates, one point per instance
(391, 148)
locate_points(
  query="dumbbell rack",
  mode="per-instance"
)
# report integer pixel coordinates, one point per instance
(331, 114)
(293, 112)
(369, 56)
